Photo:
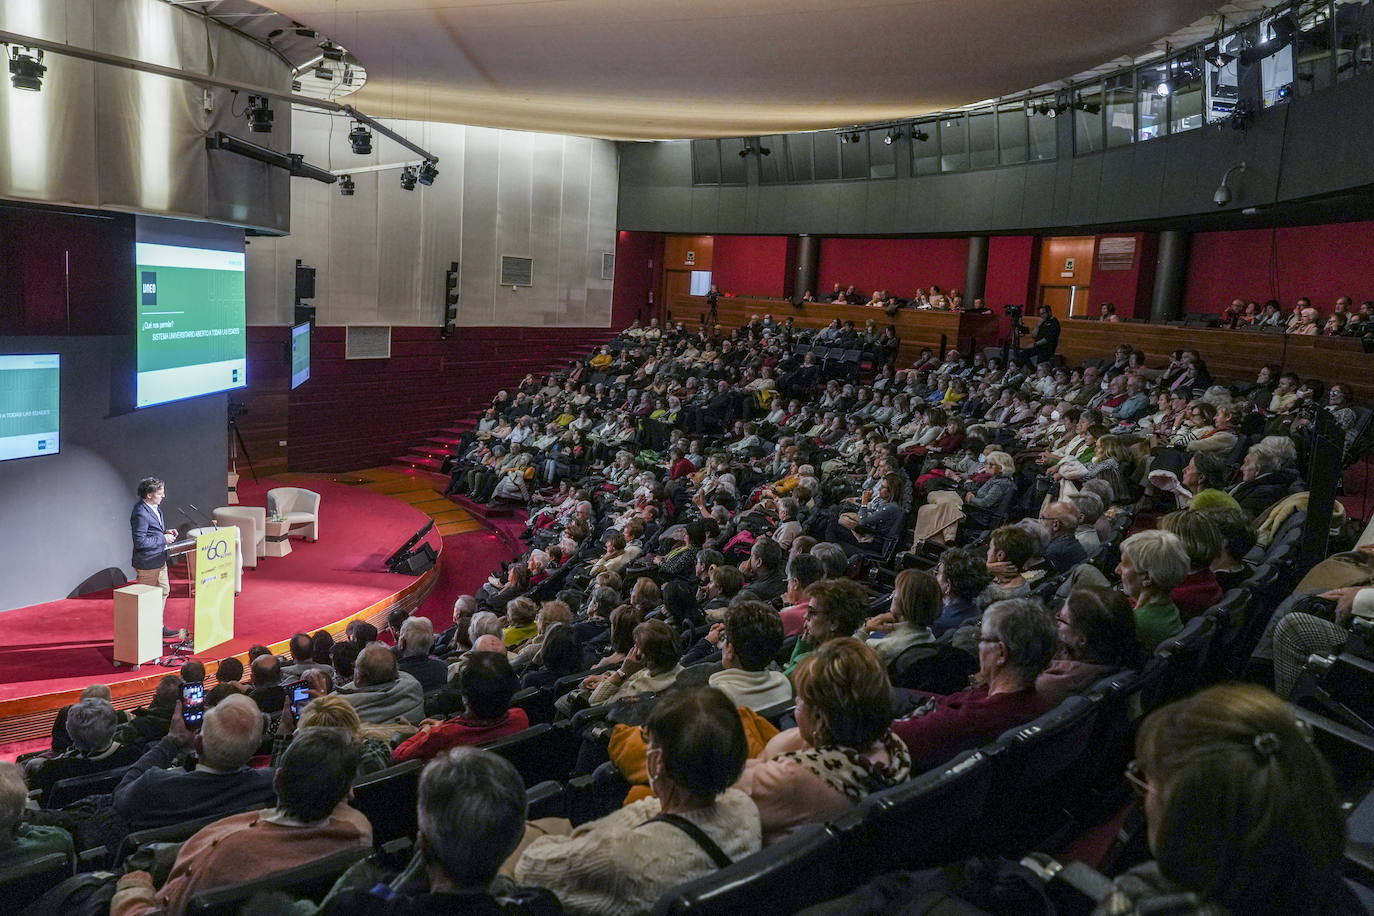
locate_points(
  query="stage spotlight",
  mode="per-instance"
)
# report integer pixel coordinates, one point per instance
(259, 114)
(408, 178)
(26, 69)
(346, 185)
(295, 85)
(745, 150)
(765, 151)
(332, 52)
(428, 172)
(361, 139)
(919, 136)
(347, 76)
(303, 32)
(1218, 58)
(1163, 88)
(892, 135)
(323, 73)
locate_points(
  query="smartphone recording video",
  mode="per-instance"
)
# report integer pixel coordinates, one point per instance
(193, 705)
(298, 695)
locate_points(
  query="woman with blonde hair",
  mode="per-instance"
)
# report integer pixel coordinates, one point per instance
(1240, 809)
(332, 711)
(938, 520)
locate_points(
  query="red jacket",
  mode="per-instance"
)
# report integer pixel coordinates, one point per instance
(459, 731)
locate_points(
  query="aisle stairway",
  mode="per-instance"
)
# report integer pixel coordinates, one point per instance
(506, 371)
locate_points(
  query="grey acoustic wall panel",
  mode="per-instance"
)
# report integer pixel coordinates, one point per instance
(381, 254)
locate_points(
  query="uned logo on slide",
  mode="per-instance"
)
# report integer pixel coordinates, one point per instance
(148, 286)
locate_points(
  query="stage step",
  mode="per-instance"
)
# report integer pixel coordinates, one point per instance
(420, 462)
(482, 510)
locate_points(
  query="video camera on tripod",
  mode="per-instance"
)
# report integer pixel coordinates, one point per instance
(1016, 313)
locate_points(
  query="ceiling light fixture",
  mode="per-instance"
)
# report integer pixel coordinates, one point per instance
(346, 185)
(361, 139)
(259, 114)
(332, 52)
(408, 178)
(745, 150)
(919, 136)
(1218, 58)
(323, 72)
(765, 151)
(26, 68)
(428, 172)
(891, 135)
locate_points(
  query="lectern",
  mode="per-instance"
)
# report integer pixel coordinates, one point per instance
(137, 624)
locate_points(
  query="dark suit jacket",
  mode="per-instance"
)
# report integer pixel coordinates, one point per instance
(150, 795)
(150, 541)
(1064, 553)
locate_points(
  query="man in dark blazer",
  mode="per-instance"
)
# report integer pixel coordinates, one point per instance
(151, 537)
(1064, 551)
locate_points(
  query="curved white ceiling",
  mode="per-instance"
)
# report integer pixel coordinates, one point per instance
(654, 69)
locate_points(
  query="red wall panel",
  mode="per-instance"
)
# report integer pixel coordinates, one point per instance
(899, 265)
(750, 265)
(1010, 279)
(1129, 290)
(362, 413)
(638, 263)
(1320, 262)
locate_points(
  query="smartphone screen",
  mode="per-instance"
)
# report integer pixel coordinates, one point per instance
(298, 694)
(193, 705)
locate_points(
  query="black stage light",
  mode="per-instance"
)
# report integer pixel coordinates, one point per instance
(346, 185)
(919, 136)
(26, 69)
(259, 114)
(765, 151)
(347, 76)
(361, 138)
(323, 73)
(408, 179)
(428, 172)
(332, 52)
(295, 85)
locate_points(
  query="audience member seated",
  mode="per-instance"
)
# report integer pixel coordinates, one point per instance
(837, 607)
(471, 814)
(694, 823)
(91, 726)
(1200, 589)
(153, 794)
(380, 692)
(1064, 551)
(486, 683)
(312, 820)
(333, 711)
(20, 842)
(149, 723)
(1152, 564)
(842, 748)
(802, 570)
(962, 578)
(916, 604)
(61, 741)
(1097, 638)
(1014, 648)
(230, 670)
(749, 639)
(413, 658)
(1240, 810)
(651, 666)
(522, 622)
(267, 691)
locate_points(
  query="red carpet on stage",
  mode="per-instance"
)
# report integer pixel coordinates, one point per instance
(67, 644)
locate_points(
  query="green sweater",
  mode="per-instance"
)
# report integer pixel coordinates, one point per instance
(1155, 623)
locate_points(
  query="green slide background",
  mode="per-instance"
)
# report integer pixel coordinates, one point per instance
(27, 391)
(208, 300)
(300, 353)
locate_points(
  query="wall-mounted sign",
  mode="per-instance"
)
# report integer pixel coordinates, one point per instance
(691, 257)
(1116, 252)
(1069, 265)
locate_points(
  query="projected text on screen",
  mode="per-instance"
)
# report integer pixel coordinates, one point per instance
(30, 395)
(190, 322)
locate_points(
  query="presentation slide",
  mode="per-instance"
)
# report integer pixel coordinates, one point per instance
(300, 354)
(30, 394)
(190, 322)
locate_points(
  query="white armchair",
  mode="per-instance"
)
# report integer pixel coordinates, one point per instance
(300, 508)
(252, 524)
(238, 558)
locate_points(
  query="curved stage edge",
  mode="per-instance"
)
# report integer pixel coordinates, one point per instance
(50, 652)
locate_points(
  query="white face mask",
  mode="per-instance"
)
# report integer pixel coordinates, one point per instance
(1104, 386)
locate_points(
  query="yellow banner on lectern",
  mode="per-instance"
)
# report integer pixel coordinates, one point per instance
(215, 557)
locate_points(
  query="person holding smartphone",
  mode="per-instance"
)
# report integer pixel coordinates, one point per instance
(151, 539)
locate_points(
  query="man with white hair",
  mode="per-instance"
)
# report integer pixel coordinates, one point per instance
(20, 841)
(464, 606)
(412, 650)
(153, 793)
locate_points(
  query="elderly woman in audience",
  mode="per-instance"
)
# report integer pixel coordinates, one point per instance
(693, 824)
(842, 748)
(1097, 638)
(1199, 590)
(1265, 474)
(1015, 646)
(328, 710)
(1152, 564)
(836, 607)
(1240, 809)
(650, 666)
(916, 603)
(19, 841)
(521, 623)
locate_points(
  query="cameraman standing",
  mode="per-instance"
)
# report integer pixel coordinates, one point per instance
(1046, 337)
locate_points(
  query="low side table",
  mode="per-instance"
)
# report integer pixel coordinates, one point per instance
(278, 542)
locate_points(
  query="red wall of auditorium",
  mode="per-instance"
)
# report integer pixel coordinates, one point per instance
(899, 265)
(1321, 262)
(751, 265)
(638, 265)
(1129, 289)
